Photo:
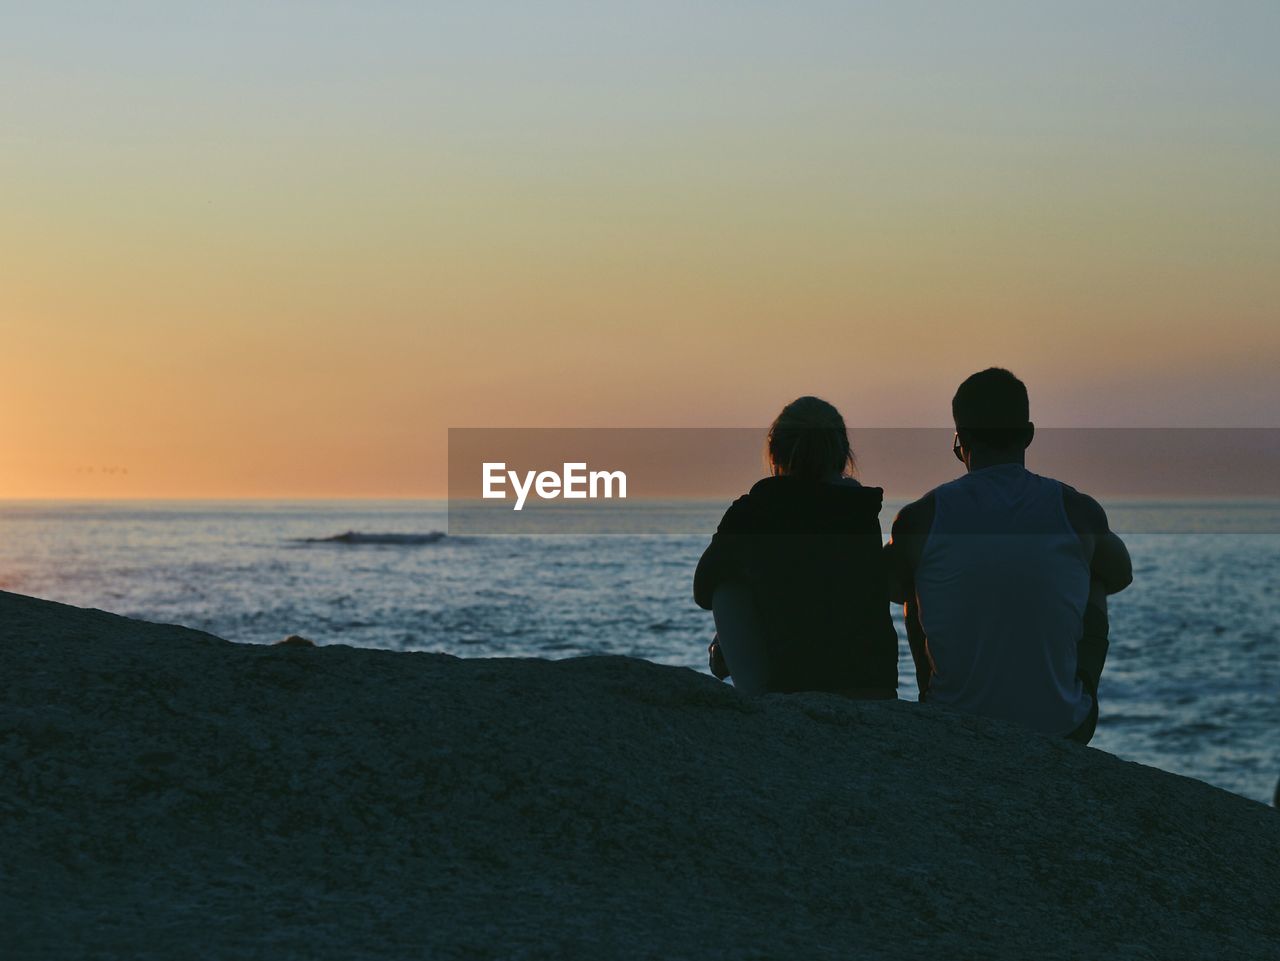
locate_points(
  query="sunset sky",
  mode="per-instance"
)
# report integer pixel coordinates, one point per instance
(277, 249)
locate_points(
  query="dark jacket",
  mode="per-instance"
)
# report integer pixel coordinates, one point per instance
(810, 553)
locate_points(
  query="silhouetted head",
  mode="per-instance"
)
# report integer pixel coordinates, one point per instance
(808, 439)
(992, 413)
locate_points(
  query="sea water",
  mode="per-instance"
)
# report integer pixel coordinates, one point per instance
(1192, 682)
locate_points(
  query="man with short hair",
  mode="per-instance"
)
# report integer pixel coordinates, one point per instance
(1004, 575)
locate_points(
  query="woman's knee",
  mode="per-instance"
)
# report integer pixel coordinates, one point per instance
(742, 637)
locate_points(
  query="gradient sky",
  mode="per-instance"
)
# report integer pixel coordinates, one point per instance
(277, 249)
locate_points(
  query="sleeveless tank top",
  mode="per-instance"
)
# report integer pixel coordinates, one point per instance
(1001, 586)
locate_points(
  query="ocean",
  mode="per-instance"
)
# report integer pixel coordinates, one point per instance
(1192, 683)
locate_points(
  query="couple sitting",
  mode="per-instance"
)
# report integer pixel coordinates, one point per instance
(1004, 574)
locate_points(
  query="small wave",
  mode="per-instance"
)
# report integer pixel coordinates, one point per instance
(359, 537)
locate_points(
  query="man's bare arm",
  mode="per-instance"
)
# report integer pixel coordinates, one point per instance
(902, 555)
(1108, 557)
(919, 648)
(1092, 653)
(1111, 563)
(906, 544)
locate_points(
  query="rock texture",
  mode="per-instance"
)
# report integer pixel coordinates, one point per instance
(168, 794)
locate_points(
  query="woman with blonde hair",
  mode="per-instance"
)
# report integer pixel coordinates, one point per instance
(795, 575)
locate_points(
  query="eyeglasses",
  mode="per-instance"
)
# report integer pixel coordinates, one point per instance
(957, 448)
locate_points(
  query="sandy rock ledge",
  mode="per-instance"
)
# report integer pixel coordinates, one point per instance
(167, 794)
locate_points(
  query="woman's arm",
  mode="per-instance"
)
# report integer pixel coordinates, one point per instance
(710, 572)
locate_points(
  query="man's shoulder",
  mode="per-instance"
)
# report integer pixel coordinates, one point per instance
(1073, 495)
(1084, 512)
